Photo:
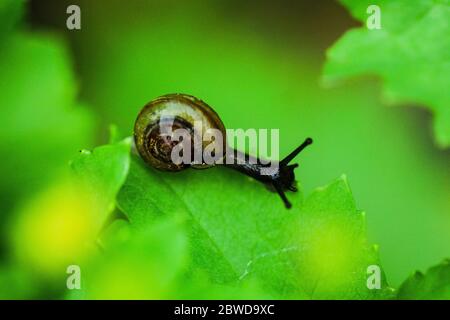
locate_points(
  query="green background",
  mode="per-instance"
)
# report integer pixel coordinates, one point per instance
(259, 64)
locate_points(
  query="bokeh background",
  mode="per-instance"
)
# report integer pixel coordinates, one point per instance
(259, 64)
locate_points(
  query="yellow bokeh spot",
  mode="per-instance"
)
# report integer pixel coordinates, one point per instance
(55, 229)
(331, 256)
(331, 250)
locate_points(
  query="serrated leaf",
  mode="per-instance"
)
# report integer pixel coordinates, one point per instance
(240, 232)
(434, 284)
(329, 255)
(411, 53)
(231, 217)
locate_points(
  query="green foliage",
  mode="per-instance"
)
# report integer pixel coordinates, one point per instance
(329, 255)
(150, 263)
(206, 234)
(39, 113)
(411, 53)
(241, 234)
(42, 124)
(59, 226)
(42, 127)
(143, 265)
(435, 284)
(227, 229)
(100, 174)
(179, 243)
(15, 284)
(266, 82)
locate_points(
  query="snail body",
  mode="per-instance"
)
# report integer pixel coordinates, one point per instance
(174, 124)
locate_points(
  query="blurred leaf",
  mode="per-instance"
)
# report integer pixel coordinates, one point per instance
(53, 229)
(151, 263)
(15, 284)
(236, 224)
(199, 286)
(101, 174)
(434, 285)
(144, 266)
(411, 53)
(60, 225)
(116, 233)
(41, 127)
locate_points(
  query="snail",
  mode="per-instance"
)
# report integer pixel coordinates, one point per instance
(168, 135)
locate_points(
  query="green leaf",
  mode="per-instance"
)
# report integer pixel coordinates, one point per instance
(16, 284)
(240, 233)
(42, 126)
(411, 53)
(348, 123)
(199, 287)
(150, 263)
(329, 255)
(140, 265)
(231, 217)
(434, 284)
(100, 174)
(60, 225)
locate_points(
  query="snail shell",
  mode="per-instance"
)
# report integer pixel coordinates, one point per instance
(166, 114)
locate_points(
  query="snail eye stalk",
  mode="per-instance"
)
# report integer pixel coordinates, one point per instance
(282, 195)
(294, 153)
(285, 180)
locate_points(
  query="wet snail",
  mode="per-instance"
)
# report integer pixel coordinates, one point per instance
(177, 131)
